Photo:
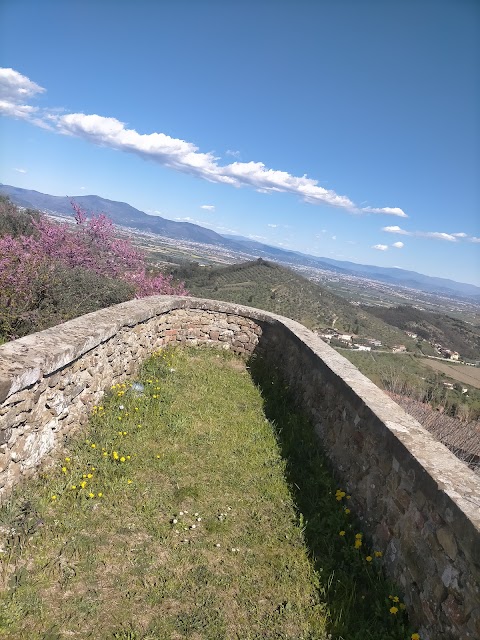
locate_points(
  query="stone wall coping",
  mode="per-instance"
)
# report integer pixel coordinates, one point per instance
(25, 361)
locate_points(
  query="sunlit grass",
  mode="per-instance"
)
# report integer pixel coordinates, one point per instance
(197, 505)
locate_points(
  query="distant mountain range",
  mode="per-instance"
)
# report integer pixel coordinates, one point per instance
(125, 215)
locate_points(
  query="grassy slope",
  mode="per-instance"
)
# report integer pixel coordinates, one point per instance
(116, 563)
(266, 559)
(275, 288)
(450, 332)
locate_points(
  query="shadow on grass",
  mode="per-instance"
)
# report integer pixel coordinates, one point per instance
(354, 588)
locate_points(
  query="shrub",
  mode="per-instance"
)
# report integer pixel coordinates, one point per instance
(14, 222)
(52, 272)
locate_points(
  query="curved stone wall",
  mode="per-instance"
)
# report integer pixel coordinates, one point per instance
(417, 501)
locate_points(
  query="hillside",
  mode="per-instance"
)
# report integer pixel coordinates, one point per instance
(274, 288)
(124, 214)
(120, 213)
(452, 333)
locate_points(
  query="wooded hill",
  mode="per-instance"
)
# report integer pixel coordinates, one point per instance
(274, 288)
(452, 333)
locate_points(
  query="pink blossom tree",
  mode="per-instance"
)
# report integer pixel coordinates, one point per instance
(29, 265)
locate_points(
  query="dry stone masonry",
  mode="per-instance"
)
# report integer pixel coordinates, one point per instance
(417, 501)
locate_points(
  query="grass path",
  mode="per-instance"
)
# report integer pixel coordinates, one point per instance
(174, 518)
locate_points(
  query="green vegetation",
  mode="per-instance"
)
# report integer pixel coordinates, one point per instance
(195, 506)
(15, 222)
(451, 333)
(411, 376)
(274, 288)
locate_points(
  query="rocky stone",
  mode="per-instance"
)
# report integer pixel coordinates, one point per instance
(447, 540)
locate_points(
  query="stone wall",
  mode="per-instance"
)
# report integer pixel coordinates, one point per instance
(417, 501)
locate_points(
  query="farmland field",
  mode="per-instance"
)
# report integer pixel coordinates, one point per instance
(460, 372)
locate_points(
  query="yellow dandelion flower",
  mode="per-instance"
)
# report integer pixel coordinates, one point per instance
(94, 446)
(369, 558)
(136, 408)
(154, 395)
(115, 455)
(105, 454)
(122, 459)
(378, 554)
(100, 494)
(83, 484)
(90, 476)
(158, 456)
(125, 433)
(396, 599)
(358, 544)
(415, 636)
(91, 495)
(393, 610)
(119, 418)
(341, 533)
(359, 536)
(74, 486)
(84, 475)
(347, 511)
(93, 468)
(129, 481)
(67, 459)
(128, 457)
(54, 497)
(64, 469)
(348, 497)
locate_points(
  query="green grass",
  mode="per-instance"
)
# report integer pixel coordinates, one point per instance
(220, 522)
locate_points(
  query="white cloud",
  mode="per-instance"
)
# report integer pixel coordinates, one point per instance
(14, 87)
(273, 226)
(398, 245)
(20, 170)
(435, 235)
(174, 153)
(208, 207)
(16, 110)
(234, 154)
(474, 239)
(395, 229)
(393, 211)
(380, 247)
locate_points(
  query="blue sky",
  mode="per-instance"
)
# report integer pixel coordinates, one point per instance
(343, 129)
